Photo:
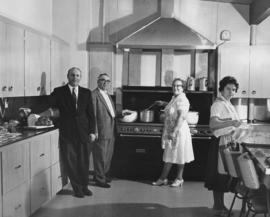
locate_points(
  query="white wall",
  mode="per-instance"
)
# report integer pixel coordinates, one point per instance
(34, 13)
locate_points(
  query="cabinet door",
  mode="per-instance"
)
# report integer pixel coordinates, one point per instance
(56, 178)
(40, 189)
(40, 154)
(54, 147)
(3, 80)
(37, 64)
(259, 71)
(15, 164)
(11, 60)
(234, 61)
(16, 203)
(59, 63)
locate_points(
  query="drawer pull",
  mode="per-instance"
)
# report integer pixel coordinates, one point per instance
(17, 207)
(18, 167)
(141, 151)
(42, 155)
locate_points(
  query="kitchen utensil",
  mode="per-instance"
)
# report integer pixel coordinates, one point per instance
(191, 83)
(147, 116)
(129, 116)
(192, 117)
(203, 84)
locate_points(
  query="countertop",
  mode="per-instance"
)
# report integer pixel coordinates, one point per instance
(25, 134)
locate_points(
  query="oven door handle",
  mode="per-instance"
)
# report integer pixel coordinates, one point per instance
(139, 136)
(201, 137)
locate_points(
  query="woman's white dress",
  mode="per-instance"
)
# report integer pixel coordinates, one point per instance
(179, 150)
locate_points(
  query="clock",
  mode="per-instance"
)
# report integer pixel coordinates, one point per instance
(225, 35)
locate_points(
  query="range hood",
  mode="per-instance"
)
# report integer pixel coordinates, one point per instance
(166, 32)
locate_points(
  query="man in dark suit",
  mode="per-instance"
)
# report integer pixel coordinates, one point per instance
(104, 111)
(77, 128)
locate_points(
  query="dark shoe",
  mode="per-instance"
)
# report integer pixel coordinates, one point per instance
(108, 180)
(78, 194)
(87, 192)
(102, 185)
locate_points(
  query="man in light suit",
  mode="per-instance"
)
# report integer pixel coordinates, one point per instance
(76, 130)
(104, 111)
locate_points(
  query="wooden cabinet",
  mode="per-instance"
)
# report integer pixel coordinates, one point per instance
(259, 71)
(12, 60)
(54, 147)
(39, 154)
(37, 64)
(56, 178)
(15, 165)
(59, 63)
(40, 189)
(234, 61)
(16, 203)
(249, 65)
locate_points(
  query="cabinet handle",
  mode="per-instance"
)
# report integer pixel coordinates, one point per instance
(253, 92)
(42, 155)
(10, 88)
(17, 207)
(17, 167)
(4, 88)
(140, 150)
(38, 88)
(59, 177)
(244, 92)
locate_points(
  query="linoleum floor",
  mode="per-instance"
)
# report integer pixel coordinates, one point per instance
(135, 199)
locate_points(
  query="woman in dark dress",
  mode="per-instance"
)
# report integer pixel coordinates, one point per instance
(223, 122)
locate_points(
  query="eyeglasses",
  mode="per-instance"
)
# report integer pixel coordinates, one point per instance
(179, 85)
(104, 80)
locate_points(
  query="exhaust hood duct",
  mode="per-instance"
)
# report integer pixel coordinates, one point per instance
(166, 32)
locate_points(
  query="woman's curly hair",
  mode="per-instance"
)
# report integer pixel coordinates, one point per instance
(228, 80)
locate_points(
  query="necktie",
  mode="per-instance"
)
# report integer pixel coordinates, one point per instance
(74, 98)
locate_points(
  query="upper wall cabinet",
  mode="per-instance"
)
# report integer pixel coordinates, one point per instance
(37, 64)
(234, 61)
(59, 63)
(259, 71)
(11, 60)
(250, 66)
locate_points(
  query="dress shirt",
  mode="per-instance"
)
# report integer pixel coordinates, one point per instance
(76, 90)
(108, 102)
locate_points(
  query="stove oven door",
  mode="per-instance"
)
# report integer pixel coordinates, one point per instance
(137, 157)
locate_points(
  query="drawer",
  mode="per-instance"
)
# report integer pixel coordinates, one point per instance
(54, 147)
(15, 164)
(16, 203)
(40, 189)
(40, 154)
(56, 178)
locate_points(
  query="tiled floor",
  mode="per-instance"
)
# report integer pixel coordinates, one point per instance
(134, 199)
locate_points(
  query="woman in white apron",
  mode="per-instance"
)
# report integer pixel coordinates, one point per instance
(223, 122)
(176, 138)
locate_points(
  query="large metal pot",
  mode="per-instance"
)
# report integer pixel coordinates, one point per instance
(147, 115)
(192, 117)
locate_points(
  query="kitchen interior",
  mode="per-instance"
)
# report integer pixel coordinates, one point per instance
(143, 45)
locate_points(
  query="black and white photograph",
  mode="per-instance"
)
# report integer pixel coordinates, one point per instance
(134, 108)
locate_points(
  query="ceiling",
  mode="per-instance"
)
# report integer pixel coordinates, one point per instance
(232, 1)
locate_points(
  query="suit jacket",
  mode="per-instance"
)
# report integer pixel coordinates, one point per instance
(104, 120)
(75, 124)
